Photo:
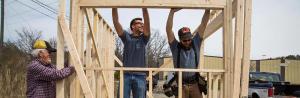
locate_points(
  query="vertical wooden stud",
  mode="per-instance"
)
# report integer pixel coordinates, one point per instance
(180, 84)
(227, 49)
(60, 90)
(239, 29)
(246, 49)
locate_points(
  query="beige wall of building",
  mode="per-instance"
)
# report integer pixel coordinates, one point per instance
(292, 71)
(213, 62)
(270, 66)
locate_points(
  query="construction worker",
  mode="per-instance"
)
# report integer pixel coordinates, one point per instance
(134, 52)
(41, 74)
(186, 53)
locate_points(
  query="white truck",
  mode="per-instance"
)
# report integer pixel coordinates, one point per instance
(270, 85)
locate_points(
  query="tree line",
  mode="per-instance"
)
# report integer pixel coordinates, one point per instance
(15, 55)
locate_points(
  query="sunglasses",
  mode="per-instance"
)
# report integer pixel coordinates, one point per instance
(188, 40)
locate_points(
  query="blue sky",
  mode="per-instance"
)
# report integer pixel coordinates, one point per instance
(275, 24)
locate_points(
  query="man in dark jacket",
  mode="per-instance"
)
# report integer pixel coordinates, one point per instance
(186, 54)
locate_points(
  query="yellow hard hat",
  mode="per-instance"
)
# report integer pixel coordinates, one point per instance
(41, 44)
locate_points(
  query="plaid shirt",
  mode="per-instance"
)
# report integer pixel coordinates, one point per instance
(41, 79)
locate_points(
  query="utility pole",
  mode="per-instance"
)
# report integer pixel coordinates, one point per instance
(2, 24)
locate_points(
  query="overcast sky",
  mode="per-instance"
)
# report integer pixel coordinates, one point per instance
(275, 24)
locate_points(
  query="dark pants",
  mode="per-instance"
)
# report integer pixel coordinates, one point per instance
(190, 91)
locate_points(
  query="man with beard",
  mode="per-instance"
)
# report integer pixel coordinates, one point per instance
(186, 53)
(41, 74)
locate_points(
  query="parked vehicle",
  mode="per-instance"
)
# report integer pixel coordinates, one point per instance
(270, 85)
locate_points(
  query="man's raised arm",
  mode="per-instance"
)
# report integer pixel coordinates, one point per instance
(116, 22)
(169, 25)
(201, 28)
(146, 23)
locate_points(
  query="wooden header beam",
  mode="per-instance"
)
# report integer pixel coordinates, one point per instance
(214, 4)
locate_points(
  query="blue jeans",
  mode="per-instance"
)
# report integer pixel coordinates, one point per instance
(135, 83)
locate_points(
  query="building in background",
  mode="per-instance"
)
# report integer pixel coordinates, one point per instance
(288, 69)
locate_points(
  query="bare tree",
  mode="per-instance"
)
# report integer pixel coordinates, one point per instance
(53, 42)
(157, 48)
(119, 48)
(13, 60)
(13, 68)
(26, 39)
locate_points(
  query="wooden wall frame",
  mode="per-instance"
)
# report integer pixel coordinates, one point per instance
(93, 56)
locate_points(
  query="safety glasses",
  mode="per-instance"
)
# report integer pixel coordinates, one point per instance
(188, 40)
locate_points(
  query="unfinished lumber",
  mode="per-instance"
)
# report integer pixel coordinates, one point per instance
(88, 16)
(60, 90)
(180, 84)
(213, 4)
(239, 29)
(74, 55)
(227, 49)
(218, 22)
(246, 49)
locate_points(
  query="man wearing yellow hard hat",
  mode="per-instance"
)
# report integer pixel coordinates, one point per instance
(41, 74)
(41, 44)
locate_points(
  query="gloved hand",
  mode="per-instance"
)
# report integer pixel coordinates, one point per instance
(72, 69)
(66, 63)
(168, 90)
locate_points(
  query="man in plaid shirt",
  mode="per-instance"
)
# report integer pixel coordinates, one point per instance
(41, 74)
